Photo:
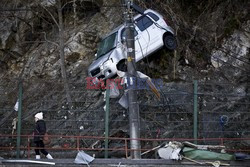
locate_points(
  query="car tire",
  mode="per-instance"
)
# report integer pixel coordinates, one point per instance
(170, 42)
(122, 66)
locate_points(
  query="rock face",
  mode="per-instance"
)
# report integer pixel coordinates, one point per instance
(32, 50)
(213, 48)
(232, 57)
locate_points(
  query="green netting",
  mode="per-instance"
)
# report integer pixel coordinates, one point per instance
(205, 155)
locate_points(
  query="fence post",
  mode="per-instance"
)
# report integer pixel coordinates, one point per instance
(195, 114)
(20, 94)
(107, 122)
(222, 141)
(28, 139)
(126, 148)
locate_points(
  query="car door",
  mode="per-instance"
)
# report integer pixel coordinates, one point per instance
(149, 34)
(138, 41)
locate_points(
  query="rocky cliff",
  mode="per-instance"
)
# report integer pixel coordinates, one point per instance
(29, 36)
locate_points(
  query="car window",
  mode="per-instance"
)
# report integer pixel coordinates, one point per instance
(143, 22)
(153, 16)
(106, 45)
(123, 33)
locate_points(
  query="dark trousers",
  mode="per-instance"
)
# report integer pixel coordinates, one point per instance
(41, 149)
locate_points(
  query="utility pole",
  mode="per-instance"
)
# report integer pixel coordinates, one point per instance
(134, 119)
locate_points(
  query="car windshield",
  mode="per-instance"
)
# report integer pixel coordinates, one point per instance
(106, 45)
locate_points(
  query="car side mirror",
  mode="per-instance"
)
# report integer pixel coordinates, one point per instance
(123, 39)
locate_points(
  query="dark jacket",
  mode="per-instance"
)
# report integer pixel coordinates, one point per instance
(39, 130)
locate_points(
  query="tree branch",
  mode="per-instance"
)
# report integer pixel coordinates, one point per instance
(51, 16)
(49, 40)
(67, 4)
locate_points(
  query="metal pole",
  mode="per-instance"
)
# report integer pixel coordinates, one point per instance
(195, 116)
(19, 119)
(107, 122)
(134, 122)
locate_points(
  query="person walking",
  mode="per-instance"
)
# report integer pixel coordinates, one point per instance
(39, 131)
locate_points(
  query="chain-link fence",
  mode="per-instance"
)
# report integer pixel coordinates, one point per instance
(222, 110)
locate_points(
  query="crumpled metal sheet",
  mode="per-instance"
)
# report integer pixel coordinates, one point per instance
(83, 158)
(124, 100)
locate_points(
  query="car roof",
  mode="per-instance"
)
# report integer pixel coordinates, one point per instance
(135, 17)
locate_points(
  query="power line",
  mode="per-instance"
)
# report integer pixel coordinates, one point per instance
(15, 9)
(31, 9)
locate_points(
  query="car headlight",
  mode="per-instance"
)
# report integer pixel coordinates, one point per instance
(101, 67)
(107, 64)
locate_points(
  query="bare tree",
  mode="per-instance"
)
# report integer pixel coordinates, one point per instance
(61, 45)
(61, 52)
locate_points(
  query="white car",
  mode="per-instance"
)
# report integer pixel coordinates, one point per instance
(151, 34)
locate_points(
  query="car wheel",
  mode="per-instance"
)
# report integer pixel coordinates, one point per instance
(122, 66)
(170, 42)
